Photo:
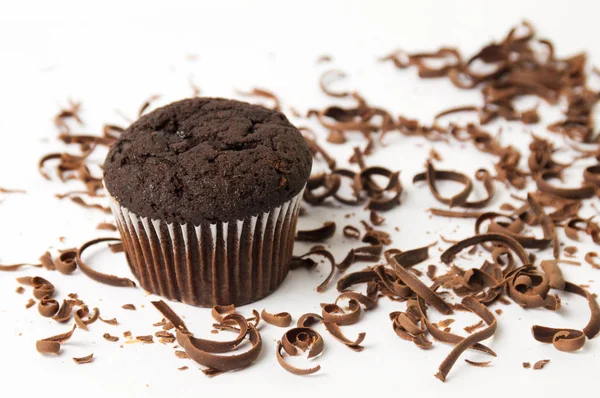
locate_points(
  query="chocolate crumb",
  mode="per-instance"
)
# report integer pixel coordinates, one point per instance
(20, 289)
(526, 365)
(128, 307)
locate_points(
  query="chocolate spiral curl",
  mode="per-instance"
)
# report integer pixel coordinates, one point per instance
(206, 352)
(47, 307)
(41, 287)
(296, 340)
(529, 288)
(66, 262)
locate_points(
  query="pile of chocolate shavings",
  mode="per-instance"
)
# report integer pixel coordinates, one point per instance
(509, 273)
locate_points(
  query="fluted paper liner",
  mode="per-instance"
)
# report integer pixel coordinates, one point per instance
(222, 263)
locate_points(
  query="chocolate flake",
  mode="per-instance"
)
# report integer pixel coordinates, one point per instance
(112, 321)
(483, 364)
(128, 307)
(540, 364)
(82, 360)
(145, 339)
(106, 226)
(109, 337)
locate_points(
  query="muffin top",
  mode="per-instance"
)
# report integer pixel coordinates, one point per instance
(207, 159)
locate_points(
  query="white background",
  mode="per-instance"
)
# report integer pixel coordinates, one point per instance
(114, 55)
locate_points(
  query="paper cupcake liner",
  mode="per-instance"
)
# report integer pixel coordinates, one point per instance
(223, 263)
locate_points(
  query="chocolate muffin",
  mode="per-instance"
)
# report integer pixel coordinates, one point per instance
(206, 193)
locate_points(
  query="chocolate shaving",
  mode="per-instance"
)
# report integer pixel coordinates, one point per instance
(5, 190)
(444, 335)
(336, 332)
(82, 360)
(526, 365)
(181, 355)
(327, 78)
(480, 310)
(455, 214)
(351, 232)
(540, 364)
(281, 319)
(147, 104)
(47, 262)
(128, 307)
(309, 319)
(47, 347)
(218, 312)
(205, 351)
(399, 263)
(258, 92)
(16, 267)
(590, 258)
(567, 340)
(20, 290)
(317, 252)
(147, 339)
(41, 287)
(109, 337)
(116, 247)
(106, 226)
(471, 328)
(317, 235)
(584, 192)
(98, 276)
(460, 199)
(478, 364)
(507, 241)
(112, 321)
(66, 262)
(47, 307)
(64, 312)
(30, 303)
(375, 218)
(296, 340)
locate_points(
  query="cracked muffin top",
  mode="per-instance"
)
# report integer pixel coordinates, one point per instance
(207, 159)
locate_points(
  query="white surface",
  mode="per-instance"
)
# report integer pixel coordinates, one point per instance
(114, 56)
